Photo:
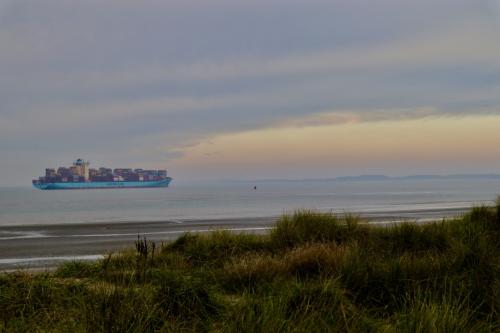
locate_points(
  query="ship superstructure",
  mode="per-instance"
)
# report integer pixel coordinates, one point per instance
(81, 176)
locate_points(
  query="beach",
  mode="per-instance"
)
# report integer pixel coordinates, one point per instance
(43, 246)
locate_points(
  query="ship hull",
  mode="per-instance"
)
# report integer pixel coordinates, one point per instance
(103, 185)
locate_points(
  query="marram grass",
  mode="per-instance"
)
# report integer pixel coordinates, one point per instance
(315, 272)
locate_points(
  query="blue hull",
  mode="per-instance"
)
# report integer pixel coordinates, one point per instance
(102, 185)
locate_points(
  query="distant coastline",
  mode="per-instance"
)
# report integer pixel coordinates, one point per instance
(375, 178)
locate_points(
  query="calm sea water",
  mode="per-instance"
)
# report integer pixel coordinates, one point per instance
(225, 200)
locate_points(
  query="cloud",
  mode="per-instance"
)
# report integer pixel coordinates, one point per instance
(363, 116)
(433, 145)
(470, 43)
(133, 81)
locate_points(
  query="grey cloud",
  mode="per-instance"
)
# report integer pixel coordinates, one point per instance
(130, 80)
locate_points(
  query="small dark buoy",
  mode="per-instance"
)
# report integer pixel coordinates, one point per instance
(255, 187)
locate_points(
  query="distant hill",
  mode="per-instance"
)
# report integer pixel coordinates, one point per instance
(418, 177)
(378, 178)
(362, 177)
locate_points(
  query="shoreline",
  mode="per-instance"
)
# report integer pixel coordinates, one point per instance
(35, 247)
(365, 213)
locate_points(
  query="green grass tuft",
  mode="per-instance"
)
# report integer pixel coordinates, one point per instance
(77, 269)
(309, 226)
(216, 246)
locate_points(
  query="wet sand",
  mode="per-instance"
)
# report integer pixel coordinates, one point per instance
(43, 246)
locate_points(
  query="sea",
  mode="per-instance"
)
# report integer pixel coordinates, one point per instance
(239, 199)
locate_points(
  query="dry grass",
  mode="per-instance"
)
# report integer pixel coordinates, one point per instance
(315, 272)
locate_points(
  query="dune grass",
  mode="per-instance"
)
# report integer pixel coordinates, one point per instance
(315, 272)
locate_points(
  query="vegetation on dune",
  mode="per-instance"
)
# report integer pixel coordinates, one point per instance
(315, 272)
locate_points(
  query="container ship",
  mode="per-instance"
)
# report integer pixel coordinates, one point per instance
(81, 176)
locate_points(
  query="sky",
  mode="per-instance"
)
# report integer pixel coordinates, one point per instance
(250, 89)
